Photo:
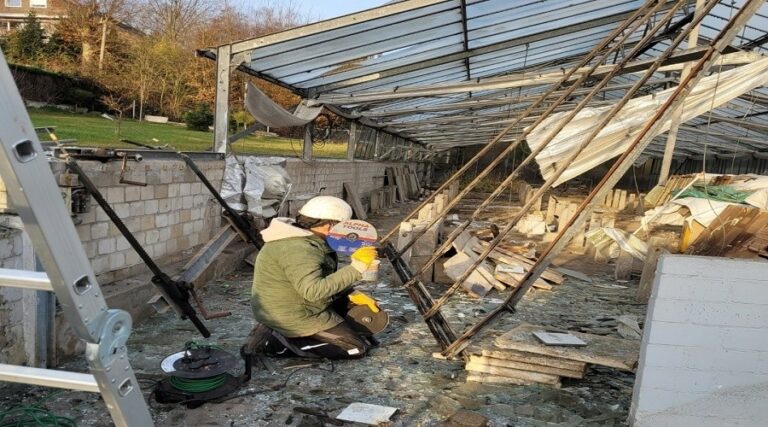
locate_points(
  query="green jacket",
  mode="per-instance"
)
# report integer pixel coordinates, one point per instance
(294, 279)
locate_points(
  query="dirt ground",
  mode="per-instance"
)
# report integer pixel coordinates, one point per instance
(401, 372)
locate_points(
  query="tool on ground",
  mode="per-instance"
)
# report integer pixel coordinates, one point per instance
(32, 187)
(200, 374)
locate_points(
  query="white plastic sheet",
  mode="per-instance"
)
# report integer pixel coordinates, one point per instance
(232, 186)
(270, 113)
(614, 139)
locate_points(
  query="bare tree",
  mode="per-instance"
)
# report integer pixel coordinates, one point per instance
(176, 19)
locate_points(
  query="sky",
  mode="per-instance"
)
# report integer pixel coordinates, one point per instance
(323, 9)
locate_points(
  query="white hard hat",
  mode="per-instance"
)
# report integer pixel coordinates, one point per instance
(327, 207)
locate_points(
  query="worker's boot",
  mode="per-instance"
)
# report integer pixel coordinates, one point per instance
(256, 342)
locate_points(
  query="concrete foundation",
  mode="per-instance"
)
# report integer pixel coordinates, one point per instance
(704, 358)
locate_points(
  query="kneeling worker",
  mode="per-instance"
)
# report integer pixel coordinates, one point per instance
(295, 281)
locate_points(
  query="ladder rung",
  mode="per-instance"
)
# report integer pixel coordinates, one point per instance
(25, 279)
(48, 378)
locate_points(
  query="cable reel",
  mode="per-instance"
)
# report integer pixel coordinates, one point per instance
(199, 374)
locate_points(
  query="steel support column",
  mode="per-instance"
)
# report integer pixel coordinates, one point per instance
(221, 112)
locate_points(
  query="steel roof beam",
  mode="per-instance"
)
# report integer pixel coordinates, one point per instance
(674, 63)
(332, 24)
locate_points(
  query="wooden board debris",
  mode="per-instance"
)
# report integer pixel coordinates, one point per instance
(354, 201)
(523, 366)
(538, 359)
(513, 373)
(600, 350)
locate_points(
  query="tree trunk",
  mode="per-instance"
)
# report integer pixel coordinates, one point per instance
(103, 42)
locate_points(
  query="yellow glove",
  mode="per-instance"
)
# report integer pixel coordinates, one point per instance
(359, 298)
(363, 258)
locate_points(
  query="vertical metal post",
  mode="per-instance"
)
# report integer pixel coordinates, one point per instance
(377, 145)
(352, 144)
(221, 112)
(669, 150)
(307, 151)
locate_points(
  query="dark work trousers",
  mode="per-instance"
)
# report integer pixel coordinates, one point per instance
(338, 342)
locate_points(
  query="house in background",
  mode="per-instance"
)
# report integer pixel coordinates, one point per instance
(14, 12)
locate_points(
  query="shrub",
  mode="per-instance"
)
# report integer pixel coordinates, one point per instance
(199, 118)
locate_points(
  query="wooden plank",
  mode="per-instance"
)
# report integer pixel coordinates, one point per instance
(513, 280)
(476, 377)
(354, 200)
(521, 356)
(506, 257)
(600, 350)
(513, 373)
(502, 363)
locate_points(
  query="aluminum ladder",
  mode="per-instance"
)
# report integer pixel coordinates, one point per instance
(35, 195)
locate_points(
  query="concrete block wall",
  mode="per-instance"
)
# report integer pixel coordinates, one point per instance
(20, 336)
(173, 213)
(704, 356)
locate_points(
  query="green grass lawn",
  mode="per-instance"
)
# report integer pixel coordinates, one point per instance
(95, 131)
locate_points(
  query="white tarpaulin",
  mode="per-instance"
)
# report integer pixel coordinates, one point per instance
(270, 113)
(615, 138)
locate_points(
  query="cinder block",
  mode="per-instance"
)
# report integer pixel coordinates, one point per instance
(84, 232)
(692, 288)
(173, 190)
(132, 194)
(116, 261)
(161, 191)
(106, 246)
(148, 192)
(173, 217)
(137, 208)
(186, 202)
(147, 222)
(123, 210)
(163, 205)
(121, 244)
(165, 234)
(188, 228)
(748, 292)
(115, 195)
(152, 237)
(196, 188)
(161, 220)
(185, 215)
(185, 189)
(100, 264)
(160, 249)
(150, 207)
(99, 230)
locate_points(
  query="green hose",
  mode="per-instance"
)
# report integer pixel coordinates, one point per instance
(24, 416)
(200, 385)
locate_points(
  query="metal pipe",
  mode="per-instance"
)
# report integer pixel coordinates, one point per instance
(621, 165)
(591, 55)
